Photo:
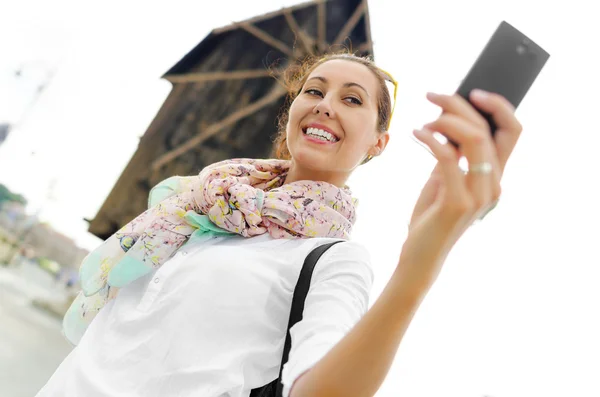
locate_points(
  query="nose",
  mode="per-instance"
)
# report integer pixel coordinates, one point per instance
(324, 107)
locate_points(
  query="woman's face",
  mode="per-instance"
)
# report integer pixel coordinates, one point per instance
(332, 123)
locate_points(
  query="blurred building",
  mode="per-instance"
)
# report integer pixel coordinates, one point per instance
(12, 215)
(24, 234)
(43, 241)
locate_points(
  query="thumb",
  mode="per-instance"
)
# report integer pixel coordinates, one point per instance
(428, 193)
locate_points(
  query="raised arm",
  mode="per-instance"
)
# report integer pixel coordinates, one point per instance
(450, 201)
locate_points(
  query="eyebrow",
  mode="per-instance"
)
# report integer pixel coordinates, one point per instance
(350, 84)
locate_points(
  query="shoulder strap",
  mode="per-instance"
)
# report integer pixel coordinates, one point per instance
(300, 293)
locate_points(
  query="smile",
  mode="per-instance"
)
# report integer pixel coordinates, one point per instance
(319, 135)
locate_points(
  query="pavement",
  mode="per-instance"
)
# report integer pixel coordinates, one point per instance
(31, 343)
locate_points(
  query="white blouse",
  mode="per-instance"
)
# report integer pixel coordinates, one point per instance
(212, 321)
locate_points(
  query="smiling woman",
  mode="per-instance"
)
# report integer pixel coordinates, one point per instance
(193, 296)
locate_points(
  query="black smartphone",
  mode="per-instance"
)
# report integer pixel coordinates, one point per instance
(508, 65)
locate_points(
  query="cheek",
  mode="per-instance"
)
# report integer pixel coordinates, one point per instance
(360, 131)
(298, 110)
(292, 116)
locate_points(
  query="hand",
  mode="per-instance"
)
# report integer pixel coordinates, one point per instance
(451, 200)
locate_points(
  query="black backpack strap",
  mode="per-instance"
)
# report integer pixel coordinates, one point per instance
(300, 293)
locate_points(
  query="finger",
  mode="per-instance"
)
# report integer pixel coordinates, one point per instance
(455, 104)
(503, 112)
(476, 144)
(447, 156)
(428, 193)
(499, 107)
(474, 141)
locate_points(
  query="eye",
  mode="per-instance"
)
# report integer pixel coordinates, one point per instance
(313, 91)
(353, 100)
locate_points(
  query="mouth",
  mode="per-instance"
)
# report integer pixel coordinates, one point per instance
(319, 133)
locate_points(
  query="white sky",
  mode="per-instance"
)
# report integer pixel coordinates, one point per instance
(514, 313)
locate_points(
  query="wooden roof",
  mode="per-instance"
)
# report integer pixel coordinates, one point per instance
(224, 102)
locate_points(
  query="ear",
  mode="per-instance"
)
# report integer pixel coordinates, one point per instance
(382, 140)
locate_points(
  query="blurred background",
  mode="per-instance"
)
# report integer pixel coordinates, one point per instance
(99, 102)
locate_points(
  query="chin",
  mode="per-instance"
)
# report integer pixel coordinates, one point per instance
(312, 159)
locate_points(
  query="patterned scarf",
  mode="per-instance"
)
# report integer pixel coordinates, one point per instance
(240, 196)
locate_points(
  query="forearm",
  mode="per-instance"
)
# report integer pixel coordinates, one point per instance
(359, 363)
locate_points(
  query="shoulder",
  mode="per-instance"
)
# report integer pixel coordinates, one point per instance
(349, 250)
(345, 259)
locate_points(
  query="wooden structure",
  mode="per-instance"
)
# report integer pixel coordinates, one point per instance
(224, 102)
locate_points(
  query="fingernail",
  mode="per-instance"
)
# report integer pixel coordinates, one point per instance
(479, 94)
(432, 95)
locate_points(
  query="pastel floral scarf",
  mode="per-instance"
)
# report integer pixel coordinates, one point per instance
(240, 196)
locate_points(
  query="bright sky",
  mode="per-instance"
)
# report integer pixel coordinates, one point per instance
(514, 312)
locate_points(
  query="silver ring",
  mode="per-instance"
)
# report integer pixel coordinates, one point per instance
(480, 168)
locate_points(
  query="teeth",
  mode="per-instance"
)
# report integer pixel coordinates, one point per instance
(321, 134)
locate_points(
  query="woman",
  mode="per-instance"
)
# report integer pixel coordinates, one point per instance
(202, 282)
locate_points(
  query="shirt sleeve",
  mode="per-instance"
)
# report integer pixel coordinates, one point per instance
(337, 299)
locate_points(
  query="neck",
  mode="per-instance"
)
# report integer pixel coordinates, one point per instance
(299, 173)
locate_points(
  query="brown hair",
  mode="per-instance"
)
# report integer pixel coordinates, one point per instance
(295, 76)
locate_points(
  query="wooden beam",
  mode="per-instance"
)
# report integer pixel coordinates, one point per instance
(350, 23)
(368, 46)
(306, 41)
(267, 38)
(368, 27)
(211, 76)
(269, 15)
(276, 93)
(322, 26)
